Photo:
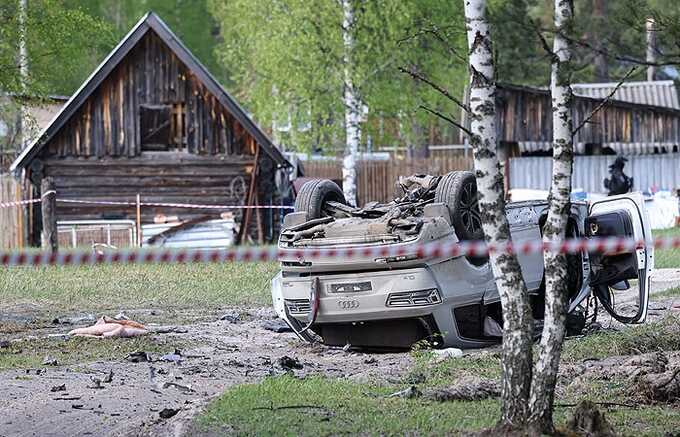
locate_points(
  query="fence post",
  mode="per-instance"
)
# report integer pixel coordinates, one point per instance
(138, 221)
(49, 237)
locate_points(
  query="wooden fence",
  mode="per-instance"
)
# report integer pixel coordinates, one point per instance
(11, 219)
(376, 180)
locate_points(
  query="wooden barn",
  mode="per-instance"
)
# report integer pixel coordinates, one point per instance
(151, 120)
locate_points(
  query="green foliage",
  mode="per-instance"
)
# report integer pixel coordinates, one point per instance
(121, 286)
(287, 60)
(62, 44)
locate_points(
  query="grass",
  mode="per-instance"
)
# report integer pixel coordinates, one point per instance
(80, 350)
(667, 294)
(663, 335)
(322, 406)
(108, 286)
(667, 258)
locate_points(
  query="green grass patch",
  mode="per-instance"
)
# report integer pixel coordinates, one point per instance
(319, 406)
(668, 294)
(666, 258)
(81, 350)
(663, 335)
(108, 286)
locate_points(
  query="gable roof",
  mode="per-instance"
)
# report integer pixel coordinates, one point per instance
(149, 22)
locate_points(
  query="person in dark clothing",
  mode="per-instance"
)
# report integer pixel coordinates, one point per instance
(619, 183)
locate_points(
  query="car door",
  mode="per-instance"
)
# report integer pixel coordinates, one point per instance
(621, 278)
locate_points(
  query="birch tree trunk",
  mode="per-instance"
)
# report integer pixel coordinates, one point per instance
(352, 110)
(517, 320)
(556, 289)
(24, 119)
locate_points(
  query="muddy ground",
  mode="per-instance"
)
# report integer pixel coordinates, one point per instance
(217, 354)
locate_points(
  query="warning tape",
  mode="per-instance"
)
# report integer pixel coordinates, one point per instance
(249, 254)
(174, 205)
(156, 204)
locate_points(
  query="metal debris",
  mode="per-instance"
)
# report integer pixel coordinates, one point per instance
(167, 413)
(58, 388)
(139, 357)
(288, 363)
(276, 325)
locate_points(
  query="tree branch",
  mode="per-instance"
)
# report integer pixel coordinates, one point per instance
(603, 103)
(443, 91)
(445, 118)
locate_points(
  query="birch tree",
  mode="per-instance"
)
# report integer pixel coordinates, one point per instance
(352, 109)
(517, 320)
(554, 230)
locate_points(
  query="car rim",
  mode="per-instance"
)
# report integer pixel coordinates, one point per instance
(469, 209)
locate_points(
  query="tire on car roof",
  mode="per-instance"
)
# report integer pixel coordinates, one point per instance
(314, 194)
(458, 191)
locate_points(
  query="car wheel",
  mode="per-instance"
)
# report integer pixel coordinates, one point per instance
(314, 194)
(458, 191)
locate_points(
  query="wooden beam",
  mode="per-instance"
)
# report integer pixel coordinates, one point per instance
(49, 237)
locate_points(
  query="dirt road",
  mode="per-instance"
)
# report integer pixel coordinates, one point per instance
(219, 353)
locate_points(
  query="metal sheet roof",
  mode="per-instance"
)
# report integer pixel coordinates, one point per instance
(658, 93)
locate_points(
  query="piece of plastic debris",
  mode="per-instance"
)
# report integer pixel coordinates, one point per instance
(58, 388)
(173, 357)
(409, 393)
(451, 352)
(167, 413)
(288, 363)
(49, 361)
(277, 326)
(139, 357)
(232, 317)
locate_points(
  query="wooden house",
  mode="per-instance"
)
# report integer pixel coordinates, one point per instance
(151, 120)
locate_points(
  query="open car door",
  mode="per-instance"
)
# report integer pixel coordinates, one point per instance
(621, 280)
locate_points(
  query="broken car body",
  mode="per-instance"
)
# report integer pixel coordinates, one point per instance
(394, 302)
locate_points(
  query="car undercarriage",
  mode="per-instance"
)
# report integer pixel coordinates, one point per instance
(401, 296)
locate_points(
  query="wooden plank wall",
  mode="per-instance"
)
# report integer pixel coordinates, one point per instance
(11, 219)
(526, 115)
(107, 124)
(376, 180)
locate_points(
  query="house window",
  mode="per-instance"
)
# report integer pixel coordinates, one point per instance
(155, 127)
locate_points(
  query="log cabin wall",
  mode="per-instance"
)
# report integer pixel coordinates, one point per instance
(153, 128)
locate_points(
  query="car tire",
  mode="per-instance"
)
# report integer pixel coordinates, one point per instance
(314, 194)
(458, 191)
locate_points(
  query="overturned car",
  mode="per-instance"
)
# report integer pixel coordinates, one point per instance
(396, 301)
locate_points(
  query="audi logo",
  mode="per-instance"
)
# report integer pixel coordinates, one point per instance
(348, 304)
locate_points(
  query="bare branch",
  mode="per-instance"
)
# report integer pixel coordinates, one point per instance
(544, 42)
(443, 91)
(445, 118)
(604, 102)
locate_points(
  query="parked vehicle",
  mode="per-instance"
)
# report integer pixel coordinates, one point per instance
(394, 302)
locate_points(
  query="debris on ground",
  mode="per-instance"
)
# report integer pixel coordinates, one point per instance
(139, 357)
(108, 327)
(96, 383)
(49, 361)
(276, 325)
(180, 387)
(168, 329)
(288, 363)
(108, 378)
(662, 387)
(173, 357)
(409, 393)
(57, 388)
(74, 320)
(232, 317)
(588, 420)
(5, 344)
(443, 354)
(467, 388)
(167, 413)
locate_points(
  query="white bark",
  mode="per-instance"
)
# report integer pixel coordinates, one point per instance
(352, 110)
(650, 27)
(24, 118)
(556, 274)
(517, 341)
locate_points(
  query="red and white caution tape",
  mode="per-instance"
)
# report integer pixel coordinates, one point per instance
(247, 254)
(25, 202)
(172, 205)
(143, 204)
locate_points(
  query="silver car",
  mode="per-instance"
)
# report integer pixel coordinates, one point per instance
(395, 301)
